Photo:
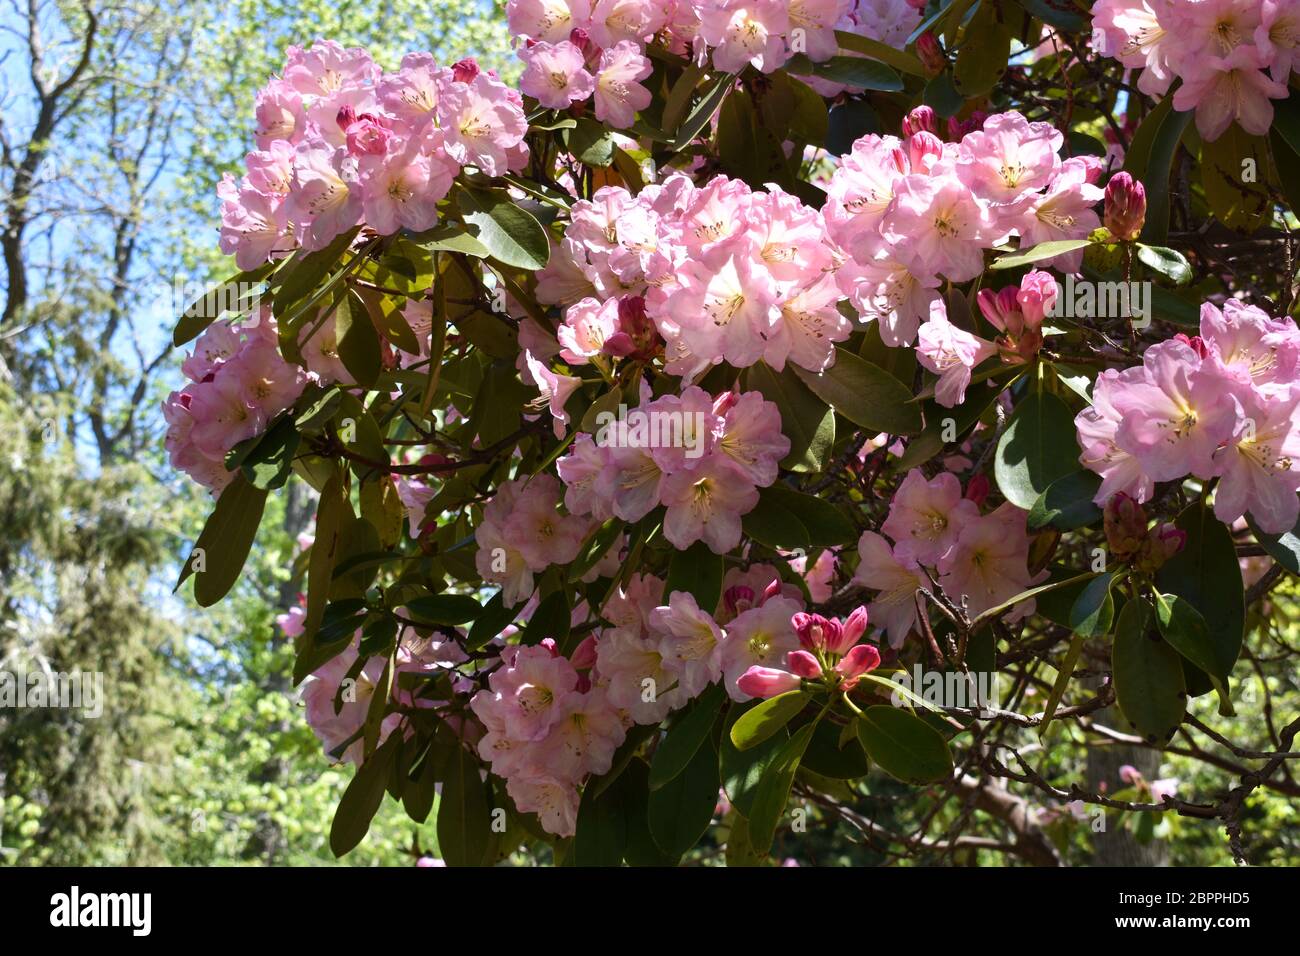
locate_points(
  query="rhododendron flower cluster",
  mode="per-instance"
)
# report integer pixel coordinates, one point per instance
(523, 533)
(828, 651)
(981, 560)
(912, 212)
(726, 273)
(702, 458)
(342, 143)
(238, 385)
(1233, 57)
(1222, 404)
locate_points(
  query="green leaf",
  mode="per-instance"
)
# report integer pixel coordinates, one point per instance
(600, 836)
(983, 57)
(632, 788)
(444, 608)
(1236, 170)
(358, 342)
(1063, 675)
(899, 59)
(832, 755)
(1066, 504)
(698, 572)
(1148, 676)
(361, 799)
(449, 237)
(1057, 13)
(806, 420)
(1206, 572)
(464, 818)
(1167, 262)
(846, 123)
(591, 143)
(774, 789)
(689, 732)
(941, 95)
(333, 513)
(1044, 250)
(679, 812)
(763, 720)
(507, 231)
(207, 308)
(552, 619)
(269, 462)
(824, 525)
(903, 745)
(852, 71)
(1094, 610)
(865, 394)
(385, 313)
(741, 770)
(494, 618)
(223, 544)
(1284, 548)
(1150, 159)
(1038, 447)
(1182, 626)
(699, 116)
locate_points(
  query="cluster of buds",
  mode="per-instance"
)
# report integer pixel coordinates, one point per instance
(636, 336)
(829, 653)
(1132, 542)
(1126, 207)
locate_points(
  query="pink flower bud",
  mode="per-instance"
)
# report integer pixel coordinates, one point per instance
(766, 682)
(1037, 297)
(1002, 309)
(930, 53)
(803, 664)
(1125, 524)
(1130, 774)
(1195, 343)
(977, 489)
(584, 655)
(581, 39)
(855, 625)
(860, 660)
(463, 71)
(1126, 207)
(923, 118)
(815, 632)
(923, 150)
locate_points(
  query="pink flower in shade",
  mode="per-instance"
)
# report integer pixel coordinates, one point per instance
(530, 692)
(929, 515)
(951, 353)
(1135, 32)
(810, 325)
(619, 93)
(765, 682)
(402, 191)
(746, 33)
(586, 733)
(989, 562)
(706, 505)
(1175, 417)
(293, 622)
(1231, 88)
(555, 74)
(1037, 297)
(636, 676)
(638, 478)
(940, 226)
(547, 20)
(751, 437)
(1254, 347)
(820, 577)
(860, 660)
(761, 636)
(616, 21)
(588, 479)
(555, 389)
(484, 125)
(680, 431)
(895, 575)
(1009, 158)
(268, 383)
(337, 701)
(541, 534)
(690, 642)
(587, 325)
(801, 664)
(553, 799)
(222, 416)
(1065, 211)
(1278, 36)
(326, 197)
(1256, 465)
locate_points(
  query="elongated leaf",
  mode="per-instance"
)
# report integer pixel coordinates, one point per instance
(1150, 159)
(1067, 503)
(1063, 675)
(903, 745)
(806, 420)
(361, 799)
(1093, 612)
(464, 818)
(763, 720)
(679, 812)
(1148, 676)
(223, 544)
(1038, 447)
(1182, 626)
(600, 836)
(865, 394)
(507, 231)
(774, 790)
(1284, 548)
(689, 733)
(1044, 250)
(741, 770)
(699, 116)
(444, 608)
(698, 572)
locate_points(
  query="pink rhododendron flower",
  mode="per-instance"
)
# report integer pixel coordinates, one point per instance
(555, 74)
(618, 89)
(951, 353)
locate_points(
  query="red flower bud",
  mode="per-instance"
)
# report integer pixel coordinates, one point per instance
(930, 53)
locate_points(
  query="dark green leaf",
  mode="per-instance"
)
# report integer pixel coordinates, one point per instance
(223, 544)
(1038, 447)
(1148, 676)
(698, 572)
(1067, 503)
(444, 608)
(464, 818)
(506, 230)
(806, 420)
(741, 770)
(1094, 611)
(774, 790)
(361, 799)
(689, 732)
(903, 745)
(679, 812)
(865, 394)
